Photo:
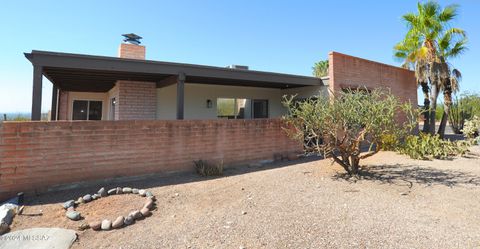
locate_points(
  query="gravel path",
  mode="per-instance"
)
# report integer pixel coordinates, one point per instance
(401, 203)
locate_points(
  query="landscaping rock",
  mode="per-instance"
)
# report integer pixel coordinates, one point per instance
(96, 225)
(106, 225)
(153, 198)
(135, 214)
(71, 209)
(135, 190)
(149, 204)
(118, 222)
(148, 194)
(119, 191)
(73, 215)
(102, 192)
(4, 227)
(145, 212)
(80, 200)
(87, 198)
(128, 220)
(142, 192)
(127, 190)
(68, 204)
(95, 196)
(112, 191)
(83, 226)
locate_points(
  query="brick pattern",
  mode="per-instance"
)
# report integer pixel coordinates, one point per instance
(136, 100)
(63, 105)
(131, 51)
(36, 155)
(348, 71)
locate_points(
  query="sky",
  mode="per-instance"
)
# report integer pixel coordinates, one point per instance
(268, 35)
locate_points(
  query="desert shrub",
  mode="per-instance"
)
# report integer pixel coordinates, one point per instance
(427, 147)
(204, 168)
(471, 128)
(462, 109)
(337, 127)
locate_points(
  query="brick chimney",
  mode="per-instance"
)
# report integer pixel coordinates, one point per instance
(131, 51)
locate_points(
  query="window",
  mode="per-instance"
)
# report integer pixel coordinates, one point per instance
(87, 110)
(233, 108)
(260, 108)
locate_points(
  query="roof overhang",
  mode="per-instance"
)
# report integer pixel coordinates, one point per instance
(76, 72)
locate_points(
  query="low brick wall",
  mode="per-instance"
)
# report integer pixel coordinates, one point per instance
(37, 155)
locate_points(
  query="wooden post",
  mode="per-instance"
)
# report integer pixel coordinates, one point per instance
(180, 95)
(37, 93)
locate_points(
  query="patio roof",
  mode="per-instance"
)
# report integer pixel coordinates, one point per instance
(76, 72)
(89, 73)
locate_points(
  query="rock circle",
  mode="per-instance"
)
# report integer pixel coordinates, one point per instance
(120, 221)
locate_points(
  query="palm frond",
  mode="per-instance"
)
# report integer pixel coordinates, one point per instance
(448, 13)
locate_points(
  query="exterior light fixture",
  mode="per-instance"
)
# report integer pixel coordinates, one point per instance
(209, 103)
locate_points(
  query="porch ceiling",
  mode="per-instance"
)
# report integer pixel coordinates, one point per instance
(74, 72)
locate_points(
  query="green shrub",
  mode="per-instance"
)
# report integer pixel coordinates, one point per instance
(337, 127)
(204, 168)
(427, 147)
(471, 128)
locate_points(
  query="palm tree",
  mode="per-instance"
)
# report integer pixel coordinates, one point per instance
(411, 52)
(427, 29)
(320, 69)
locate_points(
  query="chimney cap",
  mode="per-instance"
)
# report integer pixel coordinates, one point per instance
(132, 38)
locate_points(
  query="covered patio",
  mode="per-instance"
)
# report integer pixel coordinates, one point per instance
(99, 74)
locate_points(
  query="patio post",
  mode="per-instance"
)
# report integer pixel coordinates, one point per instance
(180, 95)
(53, 112)
(37, 93)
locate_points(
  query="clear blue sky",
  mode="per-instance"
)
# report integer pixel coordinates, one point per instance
(269, 35)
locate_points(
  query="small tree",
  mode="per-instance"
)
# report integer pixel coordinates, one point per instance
(337, 127)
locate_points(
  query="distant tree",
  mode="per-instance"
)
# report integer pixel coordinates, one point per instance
(320, 69)
(337, 127)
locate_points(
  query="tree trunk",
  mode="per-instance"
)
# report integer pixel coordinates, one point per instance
(447, 99)
(433, 107)
(426, 106)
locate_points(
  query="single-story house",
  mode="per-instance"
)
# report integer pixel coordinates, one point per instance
(129, 87)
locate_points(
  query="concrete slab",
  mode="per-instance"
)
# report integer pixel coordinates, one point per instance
(39, 238)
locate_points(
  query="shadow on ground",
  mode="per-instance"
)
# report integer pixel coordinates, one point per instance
(400, 174)
(75, 190)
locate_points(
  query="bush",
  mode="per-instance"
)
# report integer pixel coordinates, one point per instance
(462, 109)
(427, 147)
(471, 128)
(208, 169)
(337, 127)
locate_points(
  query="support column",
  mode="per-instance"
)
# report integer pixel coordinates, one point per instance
(180, 95)
(37, 93)
(54, 110)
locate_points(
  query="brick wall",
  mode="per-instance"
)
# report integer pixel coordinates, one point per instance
(348, 71)
(131, 51)
(63, 105)
(36, 155)
(136, 100)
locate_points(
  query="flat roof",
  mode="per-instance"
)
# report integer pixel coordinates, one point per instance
(79, 72)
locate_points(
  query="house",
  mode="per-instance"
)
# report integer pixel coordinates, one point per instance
(87, 87)
(129, 87)
(232, 110)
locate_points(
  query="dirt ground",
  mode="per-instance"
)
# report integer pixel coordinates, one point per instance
(399, 203)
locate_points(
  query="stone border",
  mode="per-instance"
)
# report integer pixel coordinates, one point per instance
(120, 221)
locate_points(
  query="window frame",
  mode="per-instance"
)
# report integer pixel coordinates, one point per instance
(88, 108)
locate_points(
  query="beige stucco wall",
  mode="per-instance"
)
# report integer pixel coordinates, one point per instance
(196, 96)
(88, 96)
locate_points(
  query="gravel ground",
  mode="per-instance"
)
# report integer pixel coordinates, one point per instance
(400, 203)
